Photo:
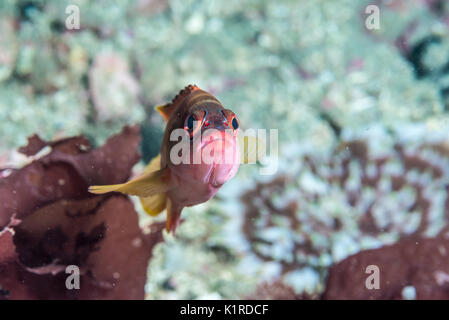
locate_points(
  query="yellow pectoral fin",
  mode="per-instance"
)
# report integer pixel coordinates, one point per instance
(154, 165)
(252, 149)
(147, 185)
(154, 205)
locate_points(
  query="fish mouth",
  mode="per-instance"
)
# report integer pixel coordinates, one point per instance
(218, 150)
(216, 184)
(208, 142)
(221, 136)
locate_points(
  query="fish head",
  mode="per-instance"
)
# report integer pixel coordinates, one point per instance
(213, 148)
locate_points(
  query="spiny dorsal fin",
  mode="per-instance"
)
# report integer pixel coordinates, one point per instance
(167, 109)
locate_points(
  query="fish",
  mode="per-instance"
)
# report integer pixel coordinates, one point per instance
(207, 128)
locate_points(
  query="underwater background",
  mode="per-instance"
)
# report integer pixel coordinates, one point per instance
(363, 120)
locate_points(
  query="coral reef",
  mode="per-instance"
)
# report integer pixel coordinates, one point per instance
(353, 201)
(363, 125)
(257, 58)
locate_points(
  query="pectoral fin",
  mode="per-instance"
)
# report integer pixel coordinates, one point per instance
(153, 205)
(154, 165)
(252, 149)
(148, 184)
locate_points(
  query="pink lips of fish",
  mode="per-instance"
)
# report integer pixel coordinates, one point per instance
(219, 149)
(214, 158)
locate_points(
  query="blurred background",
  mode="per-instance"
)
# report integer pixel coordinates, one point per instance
(362, 117)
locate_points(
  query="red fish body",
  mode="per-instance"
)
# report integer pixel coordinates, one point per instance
(199, 153)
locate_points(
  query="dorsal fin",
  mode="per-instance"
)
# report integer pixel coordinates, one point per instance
(167, 109)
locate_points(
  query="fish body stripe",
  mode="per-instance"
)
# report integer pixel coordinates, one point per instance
(201, 101)
(201, 97)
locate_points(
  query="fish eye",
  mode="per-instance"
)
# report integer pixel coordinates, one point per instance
(235, 123)
(192, 124)
(189, 123)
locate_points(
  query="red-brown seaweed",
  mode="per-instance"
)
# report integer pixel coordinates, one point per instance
(49, 221)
